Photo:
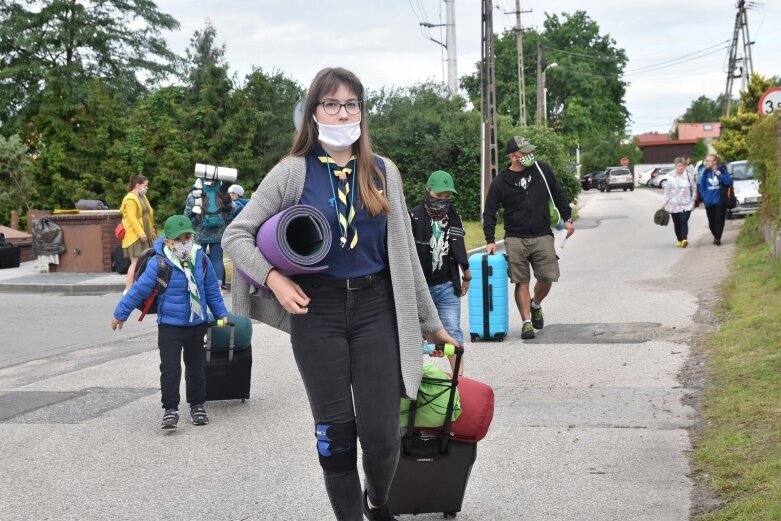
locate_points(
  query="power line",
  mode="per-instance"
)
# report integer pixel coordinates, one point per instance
(673, 63)
(680, 59)
(578, 54)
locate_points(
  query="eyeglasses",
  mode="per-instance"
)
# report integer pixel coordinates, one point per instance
(332, 108)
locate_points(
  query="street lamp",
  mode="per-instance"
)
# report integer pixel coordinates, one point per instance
(545, 95)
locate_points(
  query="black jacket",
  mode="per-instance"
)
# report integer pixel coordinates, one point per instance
(421, 230)
(525, 201)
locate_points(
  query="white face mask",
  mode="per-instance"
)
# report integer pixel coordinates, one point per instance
(181, 250)
(339, 137)
(142, 191)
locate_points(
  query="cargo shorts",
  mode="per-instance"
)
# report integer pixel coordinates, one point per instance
(539, 253)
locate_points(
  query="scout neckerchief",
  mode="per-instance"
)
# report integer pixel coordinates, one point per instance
(196, 308)
(440, 247)
(345, 209)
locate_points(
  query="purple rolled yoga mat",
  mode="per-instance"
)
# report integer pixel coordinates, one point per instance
(293, 241)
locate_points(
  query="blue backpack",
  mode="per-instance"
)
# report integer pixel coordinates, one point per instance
(214, 207)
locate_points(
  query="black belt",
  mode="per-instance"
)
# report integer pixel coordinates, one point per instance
(367, 281)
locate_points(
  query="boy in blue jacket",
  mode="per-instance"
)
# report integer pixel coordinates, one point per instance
(181, 316)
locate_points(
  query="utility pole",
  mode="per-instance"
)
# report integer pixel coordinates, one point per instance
(746, 70)
(521, 80)
(489, 165)
(449, 45)
(450, 41)
(540, 88)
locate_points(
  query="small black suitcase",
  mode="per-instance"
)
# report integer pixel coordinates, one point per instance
(433, 470)
(10, 255)
(228, 372)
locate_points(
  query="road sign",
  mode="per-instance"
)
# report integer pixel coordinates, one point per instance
(770, 101)
(624, 161)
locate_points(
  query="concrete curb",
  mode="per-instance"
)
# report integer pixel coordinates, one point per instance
(60, 289)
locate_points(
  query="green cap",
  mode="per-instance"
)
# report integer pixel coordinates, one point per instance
(176, 225)
(440, 181)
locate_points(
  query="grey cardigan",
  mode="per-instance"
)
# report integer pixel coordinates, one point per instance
(281, 188)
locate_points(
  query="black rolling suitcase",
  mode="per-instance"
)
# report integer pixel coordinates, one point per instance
(10, 255)
(433, 469)
(229, 360)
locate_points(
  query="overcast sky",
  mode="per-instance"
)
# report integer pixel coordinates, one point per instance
(381, 41)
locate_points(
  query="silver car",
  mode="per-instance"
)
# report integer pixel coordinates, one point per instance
(617, 177)
(746, 188)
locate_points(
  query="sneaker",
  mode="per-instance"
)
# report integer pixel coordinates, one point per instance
(537, 320)
(376, 514)
(679, 243)
(717, 242)
(684, 243)
(170, 419)
(198, 415)
(527, 331)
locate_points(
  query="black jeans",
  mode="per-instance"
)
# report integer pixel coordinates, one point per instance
(171, 340)
(717, 215)
(347, 351)
(681, 224)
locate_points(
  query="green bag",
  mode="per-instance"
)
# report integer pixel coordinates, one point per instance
(432, 399)
(555, 216)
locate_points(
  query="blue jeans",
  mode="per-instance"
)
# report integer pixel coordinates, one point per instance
(215, 255)
(347, 351)
(449, 309)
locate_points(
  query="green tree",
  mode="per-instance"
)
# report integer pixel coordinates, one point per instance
(703, 110)
(72, 142)
(260, 130)
(208, 90)
(732, 144)
(68, 42)
(16, 178)
(600, 151)
(763, 149)
(159, 146)
(423, 129)
(585, 90)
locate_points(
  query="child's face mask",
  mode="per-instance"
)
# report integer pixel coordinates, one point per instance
(181, 249)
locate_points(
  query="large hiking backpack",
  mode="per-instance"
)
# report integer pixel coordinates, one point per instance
(214, 208)
(149, 305)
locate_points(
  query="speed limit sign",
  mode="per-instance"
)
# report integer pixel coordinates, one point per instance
(770, 101)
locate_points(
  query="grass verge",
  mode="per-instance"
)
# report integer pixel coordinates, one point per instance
(739, 449)
(473, 233)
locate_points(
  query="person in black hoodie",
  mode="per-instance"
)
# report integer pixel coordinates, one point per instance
(520, 189)
(439, 240)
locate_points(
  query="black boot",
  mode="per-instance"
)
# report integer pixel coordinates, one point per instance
(376, 514)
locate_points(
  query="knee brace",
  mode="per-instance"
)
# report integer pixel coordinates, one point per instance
(336, 446)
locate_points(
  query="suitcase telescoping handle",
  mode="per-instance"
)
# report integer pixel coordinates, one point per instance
(448, 412)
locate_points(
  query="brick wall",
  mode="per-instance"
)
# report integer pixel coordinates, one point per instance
(107, 219)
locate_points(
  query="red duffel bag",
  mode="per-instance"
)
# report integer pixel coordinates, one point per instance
(477, 411)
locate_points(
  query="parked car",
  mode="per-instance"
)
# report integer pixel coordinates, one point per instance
(645, 177)
(746, 188)
(596, 179)
(587, 180)
(660, 179)
(617, 177)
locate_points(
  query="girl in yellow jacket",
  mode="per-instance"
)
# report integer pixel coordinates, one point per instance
(139, 222)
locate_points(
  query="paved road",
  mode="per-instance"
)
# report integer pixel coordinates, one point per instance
(591, 417)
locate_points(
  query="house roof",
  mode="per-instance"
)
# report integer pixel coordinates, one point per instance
(655, 140)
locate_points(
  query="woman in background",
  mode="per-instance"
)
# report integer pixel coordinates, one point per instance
(138, 218)
(680, 192)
